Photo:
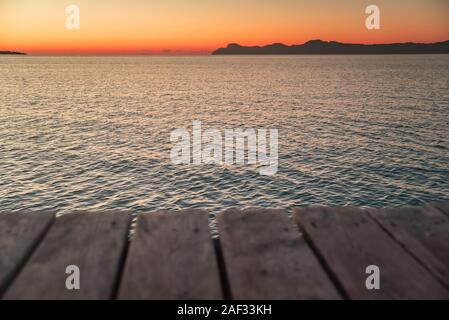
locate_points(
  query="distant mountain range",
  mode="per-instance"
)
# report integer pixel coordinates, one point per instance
(12, 52)
(333, 47)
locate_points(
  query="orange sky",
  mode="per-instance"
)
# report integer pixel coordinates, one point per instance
(199, 26)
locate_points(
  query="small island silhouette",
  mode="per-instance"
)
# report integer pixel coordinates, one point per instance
(12, 52)
(333, 47)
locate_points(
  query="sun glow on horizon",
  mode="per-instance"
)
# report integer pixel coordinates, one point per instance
(196, 26)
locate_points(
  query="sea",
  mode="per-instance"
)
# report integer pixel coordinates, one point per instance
(93, 132)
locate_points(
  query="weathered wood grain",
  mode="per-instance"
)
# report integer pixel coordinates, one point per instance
(20, 233)
(422, 231)
(171, 257)
(95, 242)
(443, 206)
(349, 241)
(267, 258)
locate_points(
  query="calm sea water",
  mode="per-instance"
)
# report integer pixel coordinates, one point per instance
(94, 132)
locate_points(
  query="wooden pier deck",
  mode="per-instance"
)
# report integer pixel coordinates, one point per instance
(318, 253)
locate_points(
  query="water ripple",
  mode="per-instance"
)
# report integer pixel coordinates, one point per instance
(93, 133)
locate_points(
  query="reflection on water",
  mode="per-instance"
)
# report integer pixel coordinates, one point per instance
(94, 132)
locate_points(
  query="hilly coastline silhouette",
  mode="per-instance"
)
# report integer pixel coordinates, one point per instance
(333, 47)
(12, 52)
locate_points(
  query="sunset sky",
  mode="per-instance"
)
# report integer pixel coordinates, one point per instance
(200, 26)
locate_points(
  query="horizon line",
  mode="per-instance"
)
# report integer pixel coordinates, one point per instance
(180, 52)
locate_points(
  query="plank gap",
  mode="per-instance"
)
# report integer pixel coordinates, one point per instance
(26, 252)
(224, 279)
(121, 266)
(332, 276)
(416, 245)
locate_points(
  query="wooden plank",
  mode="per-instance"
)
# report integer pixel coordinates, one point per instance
(20, 233)
(424, 232)
(267, 258)
(171, 257)
(349, 241)
(95, 242)
(442, 206)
